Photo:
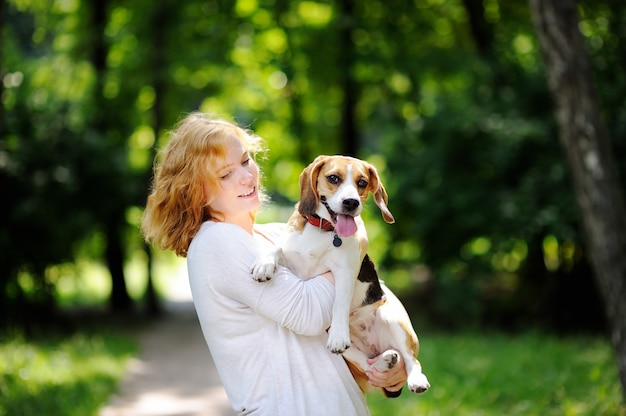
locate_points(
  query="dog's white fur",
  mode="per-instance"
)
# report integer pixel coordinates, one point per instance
(332, 186)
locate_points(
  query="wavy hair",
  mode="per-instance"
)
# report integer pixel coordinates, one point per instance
(178, 205)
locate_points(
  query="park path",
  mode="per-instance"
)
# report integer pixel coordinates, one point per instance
(173, 374)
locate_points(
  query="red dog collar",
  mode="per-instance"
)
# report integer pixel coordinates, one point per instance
(317, 221)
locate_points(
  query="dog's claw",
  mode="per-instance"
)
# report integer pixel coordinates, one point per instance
(261, 279)
(338, 350)
(336, 344)
(263, 270)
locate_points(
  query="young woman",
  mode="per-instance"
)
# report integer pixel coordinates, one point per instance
(268, 340)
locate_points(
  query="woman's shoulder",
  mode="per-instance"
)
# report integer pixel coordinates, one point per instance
(216, 227)
(271, 227)
(272, 230)
(217, 233)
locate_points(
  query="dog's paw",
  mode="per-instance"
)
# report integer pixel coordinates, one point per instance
(263, 269)
(337, 343)
(387, 360)
(418, 383)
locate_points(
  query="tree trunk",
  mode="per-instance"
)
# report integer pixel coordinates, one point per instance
(349, 131)
(293, 95)
(157, 60)
(586, 144)
(120, 300)
(481, 30)
(2, 70)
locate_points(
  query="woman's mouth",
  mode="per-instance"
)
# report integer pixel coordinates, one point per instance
(252, 192)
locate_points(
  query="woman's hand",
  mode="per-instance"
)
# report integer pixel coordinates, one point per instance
(392, 380)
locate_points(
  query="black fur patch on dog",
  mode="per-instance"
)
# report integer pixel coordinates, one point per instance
(368, 274)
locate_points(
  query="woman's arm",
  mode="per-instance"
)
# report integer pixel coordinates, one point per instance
(219, 261)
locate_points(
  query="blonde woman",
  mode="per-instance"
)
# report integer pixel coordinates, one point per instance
(268, 341)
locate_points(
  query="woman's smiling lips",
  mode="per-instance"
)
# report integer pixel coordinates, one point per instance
(251, 193)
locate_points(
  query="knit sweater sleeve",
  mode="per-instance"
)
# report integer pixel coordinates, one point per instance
(219, 263)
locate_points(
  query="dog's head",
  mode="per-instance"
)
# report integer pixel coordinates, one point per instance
(336, 187)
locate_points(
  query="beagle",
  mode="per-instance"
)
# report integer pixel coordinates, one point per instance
(324, 233)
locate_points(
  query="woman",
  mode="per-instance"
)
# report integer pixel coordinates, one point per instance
(268, 340)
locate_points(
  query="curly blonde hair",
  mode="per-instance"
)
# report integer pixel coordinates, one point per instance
(177, 205)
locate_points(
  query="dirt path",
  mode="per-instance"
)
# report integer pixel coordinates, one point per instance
(173, 374)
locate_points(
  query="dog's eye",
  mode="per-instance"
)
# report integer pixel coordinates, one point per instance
(333, 179)
(362, 183)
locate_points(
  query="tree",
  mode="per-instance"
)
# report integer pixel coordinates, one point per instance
(586, 144)
(113, 218)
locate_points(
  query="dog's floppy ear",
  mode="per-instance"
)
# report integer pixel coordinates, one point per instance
(380, 194)
(308, 186)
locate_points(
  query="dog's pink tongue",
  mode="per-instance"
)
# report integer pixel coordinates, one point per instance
(345, 225)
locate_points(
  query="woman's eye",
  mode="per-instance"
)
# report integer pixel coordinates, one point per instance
(246, 162)
(225, 176)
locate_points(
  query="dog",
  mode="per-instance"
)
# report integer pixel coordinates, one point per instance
(325, 232)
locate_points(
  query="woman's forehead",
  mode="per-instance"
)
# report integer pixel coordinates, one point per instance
(230, 152)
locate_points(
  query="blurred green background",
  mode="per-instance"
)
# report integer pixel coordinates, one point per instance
(448, 99)
(452, 107)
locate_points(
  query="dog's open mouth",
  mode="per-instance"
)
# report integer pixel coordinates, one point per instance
(345, 226)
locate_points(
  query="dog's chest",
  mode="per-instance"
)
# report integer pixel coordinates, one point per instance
(312, 252)
(307, 262)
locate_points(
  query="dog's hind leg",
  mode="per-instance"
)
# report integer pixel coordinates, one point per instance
(386, 362)
(417, 381)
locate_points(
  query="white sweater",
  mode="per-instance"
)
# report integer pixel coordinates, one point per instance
(268, 340)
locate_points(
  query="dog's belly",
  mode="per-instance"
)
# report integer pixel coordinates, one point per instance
(364, 330)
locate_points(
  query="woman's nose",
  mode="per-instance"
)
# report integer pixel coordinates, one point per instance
(246, 176)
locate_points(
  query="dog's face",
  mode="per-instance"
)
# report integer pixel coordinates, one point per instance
(336, 187)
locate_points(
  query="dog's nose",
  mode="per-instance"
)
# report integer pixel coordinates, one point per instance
(350, 204)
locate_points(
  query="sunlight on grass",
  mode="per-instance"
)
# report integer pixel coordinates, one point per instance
(84, 282)
(498, 375)
(61, 376)
(170, 275)
(88, 282)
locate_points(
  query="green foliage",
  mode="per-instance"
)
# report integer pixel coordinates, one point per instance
(54, 375)
(478, 160)
(452, 107)
(495, 374)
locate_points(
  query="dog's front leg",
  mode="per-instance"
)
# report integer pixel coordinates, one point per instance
(339, 332)
(264, 267)
(345, 273)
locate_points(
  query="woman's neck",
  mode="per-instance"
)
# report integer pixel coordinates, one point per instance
(246, 222)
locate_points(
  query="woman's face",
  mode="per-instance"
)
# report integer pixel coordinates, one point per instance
(236, 194)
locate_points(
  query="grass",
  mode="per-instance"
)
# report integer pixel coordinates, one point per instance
(55, 375)
(496, 374)
(471, 374)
